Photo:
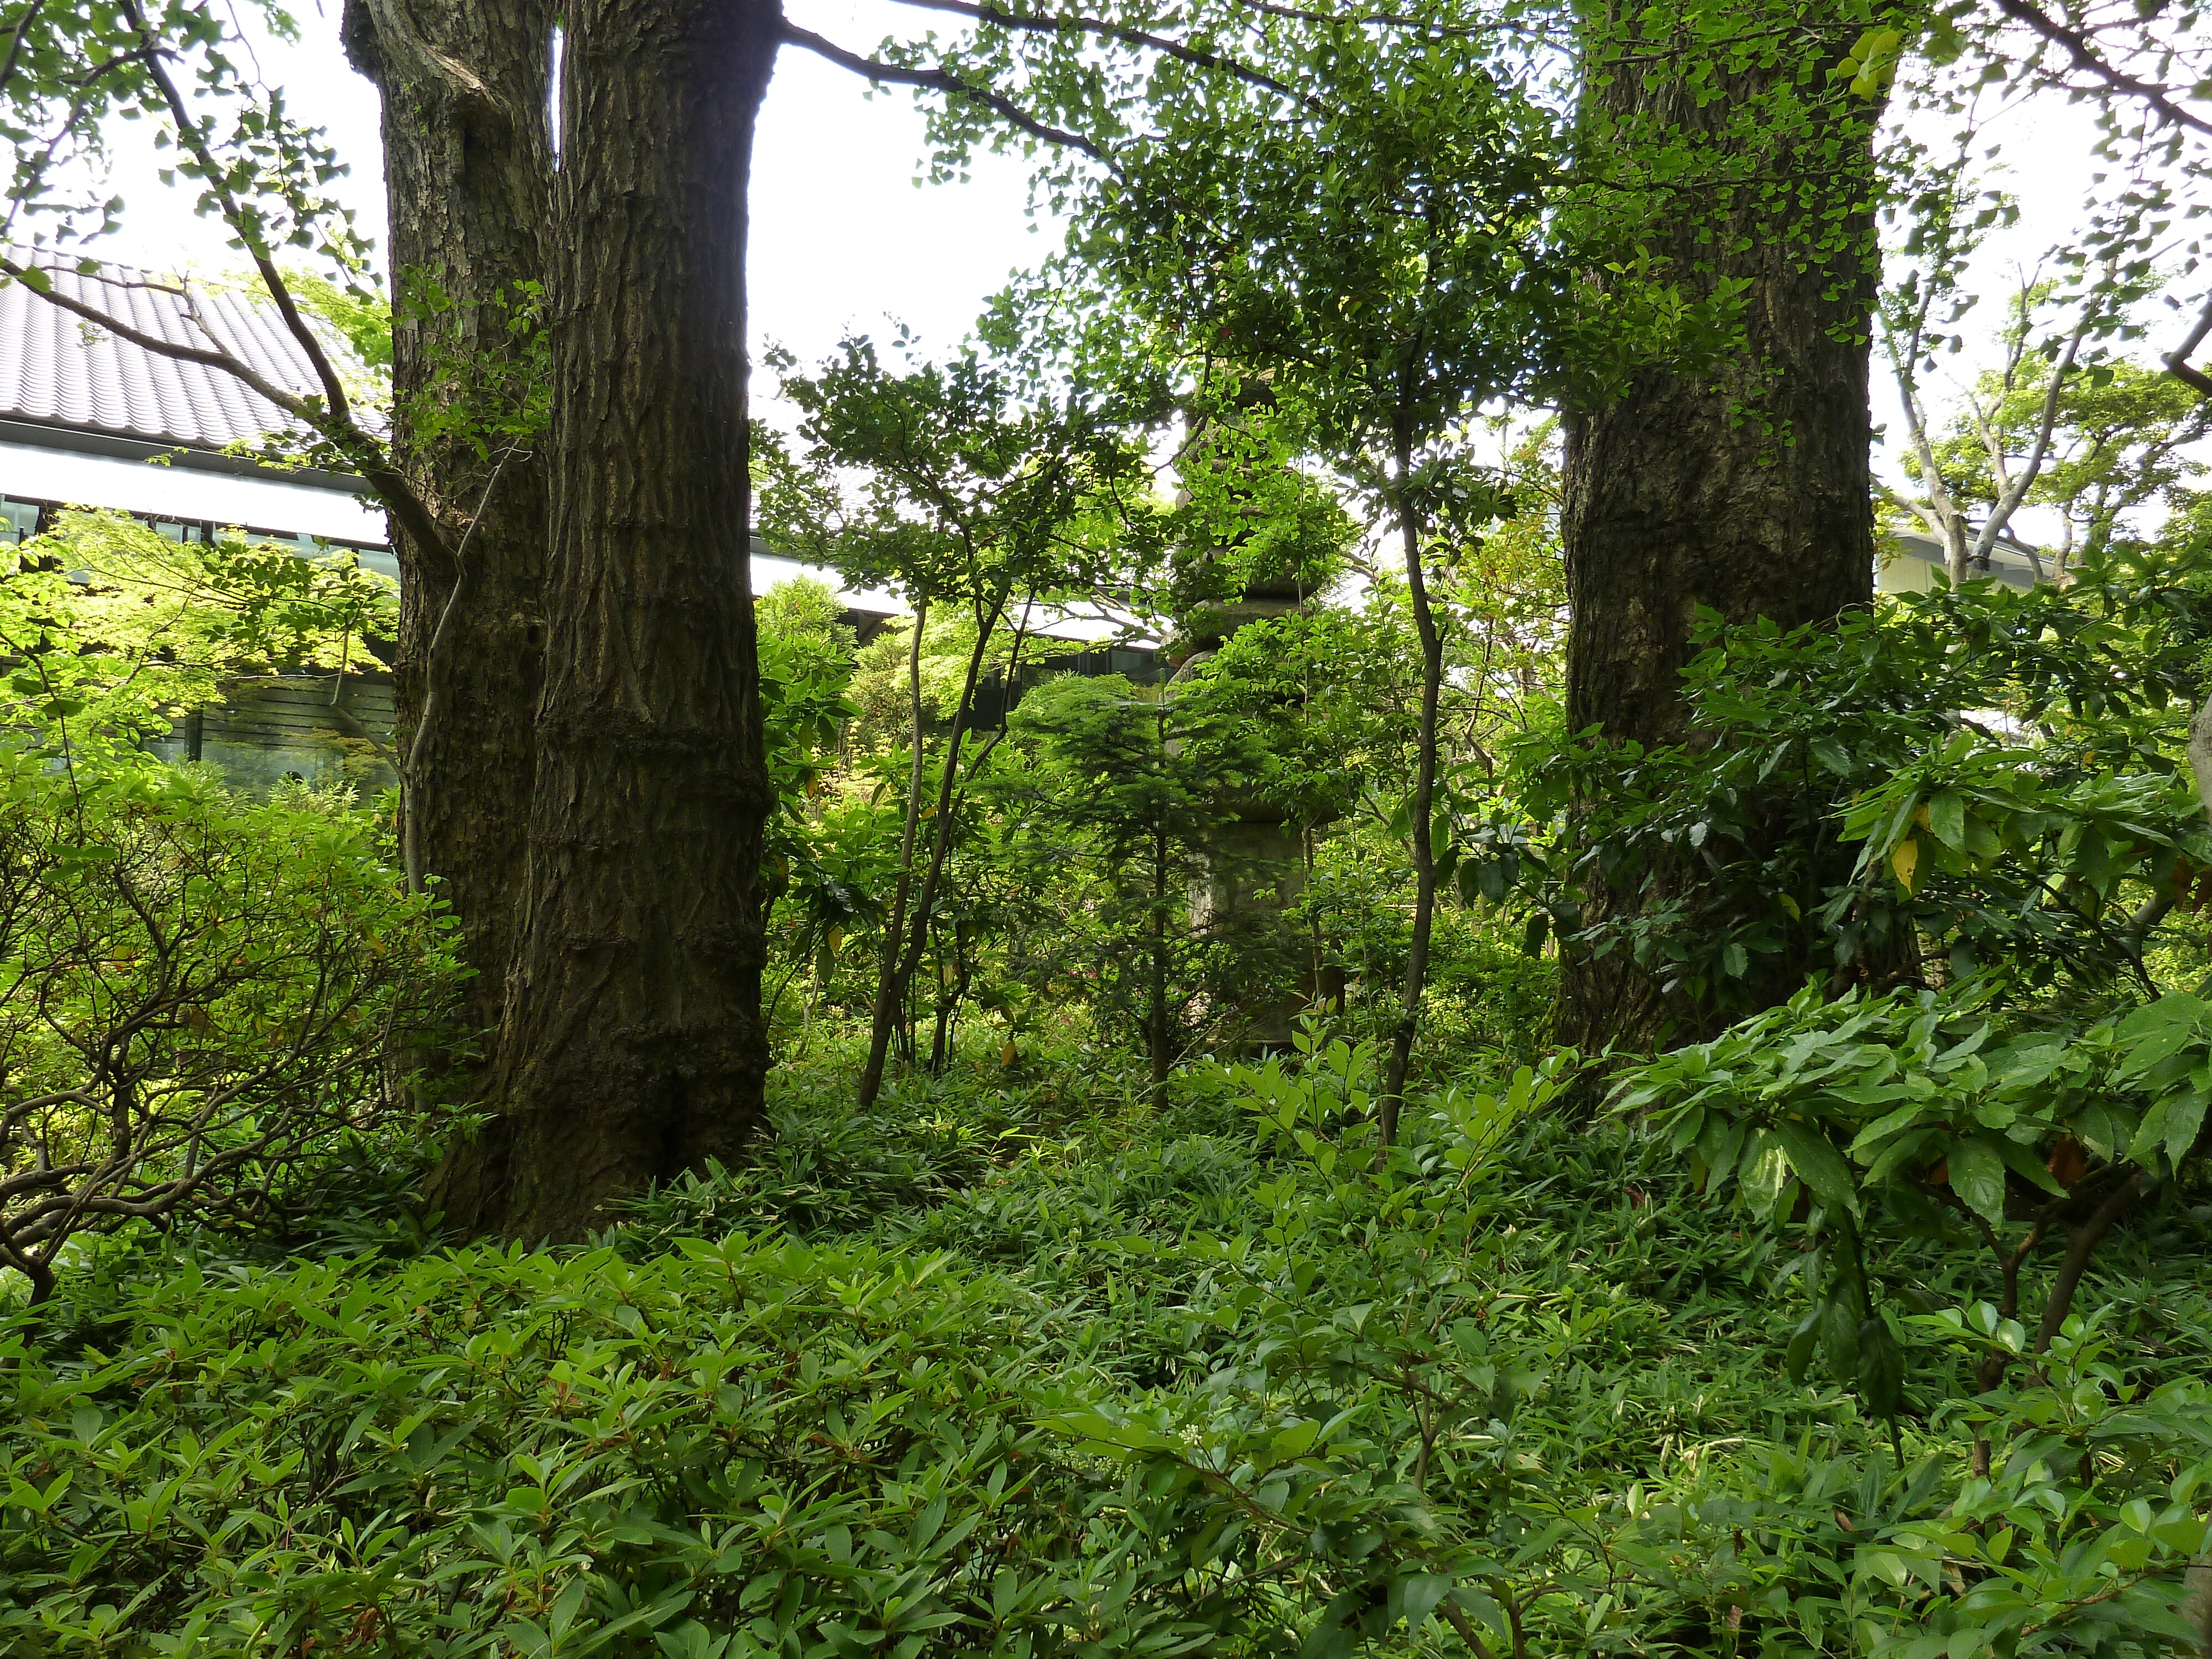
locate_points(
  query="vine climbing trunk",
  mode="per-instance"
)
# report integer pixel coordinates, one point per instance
(1744, 489)
(632, 1047)
(468, 170)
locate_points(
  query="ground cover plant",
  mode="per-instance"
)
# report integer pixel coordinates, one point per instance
(1067, 1374)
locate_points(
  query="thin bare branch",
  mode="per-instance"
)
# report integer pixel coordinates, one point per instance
(337, 422)
(190, 134)
(946, 82)
(1044, 24)
(2009, 502)
(363, 451)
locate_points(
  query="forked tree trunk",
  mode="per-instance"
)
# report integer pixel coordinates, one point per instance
(633, 1048)
(893, 991)
(467, 174)
(1745, 489)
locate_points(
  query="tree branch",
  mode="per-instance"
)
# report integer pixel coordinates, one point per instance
(1460, 1622)
(363, 451)
(2001, 512)
(188, 133)
(2080, 1243)
(393, 27)
(16, 42)
(2084, 53)
(986, 12)
(1383, 19)
(2177, 361)
(338, 424)
(942, 80)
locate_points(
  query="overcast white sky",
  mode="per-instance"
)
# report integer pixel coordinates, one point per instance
(843, 238)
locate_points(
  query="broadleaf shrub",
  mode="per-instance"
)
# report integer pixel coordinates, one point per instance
(200, 996)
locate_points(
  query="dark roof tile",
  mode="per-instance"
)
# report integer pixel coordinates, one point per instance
(58, 370)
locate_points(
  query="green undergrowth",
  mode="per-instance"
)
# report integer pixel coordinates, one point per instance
(1013, 1364)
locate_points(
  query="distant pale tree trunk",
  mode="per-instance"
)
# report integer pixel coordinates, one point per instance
(1746, 488)
(1255, 863)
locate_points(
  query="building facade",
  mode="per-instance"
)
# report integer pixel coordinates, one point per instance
(91, 420)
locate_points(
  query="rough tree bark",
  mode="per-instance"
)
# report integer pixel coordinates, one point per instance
(632, 1047)
(467, 171)
(1745, 489)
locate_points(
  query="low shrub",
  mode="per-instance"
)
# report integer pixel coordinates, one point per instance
(201, 998)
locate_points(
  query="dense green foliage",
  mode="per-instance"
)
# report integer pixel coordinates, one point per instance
(1038, 1369)
(1175, 1229)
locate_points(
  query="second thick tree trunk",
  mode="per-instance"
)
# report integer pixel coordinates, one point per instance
(467, 170)
(1746, 488)
(632, 1047)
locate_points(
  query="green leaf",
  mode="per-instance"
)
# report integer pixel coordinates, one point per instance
(1977, 1177)
(1881, 1368)
(2184, 1118)
(1832, 755)
(2159, 1030)
(2028, 1167)
(1818, 1163)
(1947, 818)
(1765, 1171)
(1423, 1592)
(1839, 1331)
(1882, 1128)
(1797, 1357)
(2170, 1124)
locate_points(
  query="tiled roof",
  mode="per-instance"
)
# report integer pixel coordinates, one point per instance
(58, 370)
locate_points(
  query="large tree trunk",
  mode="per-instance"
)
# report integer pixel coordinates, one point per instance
(467, 170)
(1746, 488)
(632, 1048)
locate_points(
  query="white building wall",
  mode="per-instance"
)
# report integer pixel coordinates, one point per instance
(179, 492)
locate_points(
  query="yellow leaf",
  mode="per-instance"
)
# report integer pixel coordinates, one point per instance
(1921, 818)
(1905, 860)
